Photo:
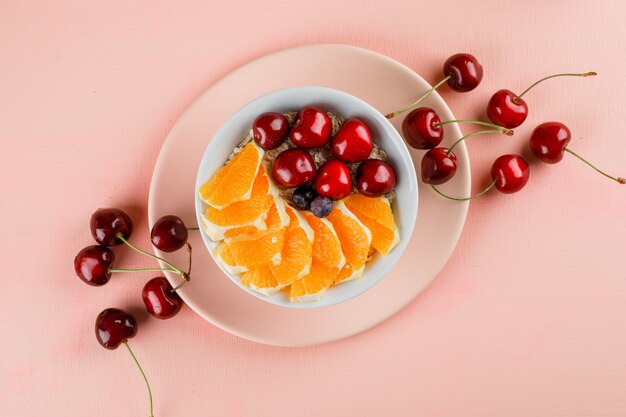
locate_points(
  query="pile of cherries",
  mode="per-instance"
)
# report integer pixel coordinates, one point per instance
(94, 266)
(422, 129)
(315, 189)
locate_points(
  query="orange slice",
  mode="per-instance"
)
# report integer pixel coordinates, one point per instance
(355, 241)
(376, 215)
(233, 182)
(327, 260)
(261, 280)
(297, 250)
(248, 252)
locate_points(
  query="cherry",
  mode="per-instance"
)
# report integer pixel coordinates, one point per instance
(333, 180)
(375, 178)
(549, 141)
(313, 128)
(438, 166)
(270, 130)
(422, 128)
(353, 143)
(507, 109)
(107, 224)
(510, 173)
(160, 298)
(463, 71)
(93, 263)
(115, 326)
(169, 233)
(293, 167)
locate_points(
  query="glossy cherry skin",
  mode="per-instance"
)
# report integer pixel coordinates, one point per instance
(160, 300)
(169, 233)
(270, 130)
(353, 143)
(313, 128)
(293, 167)
(511, 172)
(506, 110)
(437, 166)
(419, 129)
(114, 327)
(375, 178)
(549, 140)
(465, 72)
(92, 264)
(106, 223)
(333, 180)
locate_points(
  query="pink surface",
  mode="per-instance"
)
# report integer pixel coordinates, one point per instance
(527, 318)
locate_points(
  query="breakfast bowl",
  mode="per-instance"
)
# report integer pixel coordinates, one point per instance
(404, 205)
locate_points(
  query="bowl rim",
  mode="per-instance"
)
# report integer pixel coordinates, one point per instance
(412, 199)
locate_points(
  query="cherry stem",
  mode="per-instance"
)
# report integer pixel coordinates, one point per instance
(123, 239)
(462, 138)
(188, 275)
(193, 228)
(144, 270)
(143, 374)
(426, 94)
(465, 198)
(586, 74)
(504, 130)
(618, 179)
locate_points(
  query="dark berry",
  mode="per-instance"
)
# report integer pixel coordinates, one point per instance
(302, 197)
(321, 206)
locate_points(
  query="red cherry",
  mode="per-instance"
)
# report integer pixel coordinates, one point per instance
(465, 72)
(333, 180)
(106, 224)
(160, 299)
(421, 130)
(506, 109)
(353, 143)
(313, 128)
(115, 326)
(510, 173)
(548, 141)
(293, 167)
(375, 178)
(270, 130)
(438, 166)
(92, 264)
(169, 233)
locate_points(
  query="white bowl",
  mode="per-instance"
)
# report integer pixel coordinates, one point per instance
(292, 99)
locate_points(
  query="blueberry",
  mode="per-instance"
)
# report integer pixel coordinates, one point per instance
(302, 197)
(321, 206)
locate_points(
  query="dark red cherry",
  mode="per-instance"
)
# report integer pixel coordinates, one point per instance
(511, 173)
(293, 167)
(353, 143)
(160, 300)
(169, 233)
(107, 223)
(270, 130)
(420, 128)
(313, 128)
(506, 110)
(114, 327)
(92, 264)
(438, 166)
(549, 140)
(333, 180)
(375, 178)
(465, 72)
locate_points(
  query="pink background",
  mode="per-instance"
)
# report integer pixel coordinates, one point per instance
(527, 318)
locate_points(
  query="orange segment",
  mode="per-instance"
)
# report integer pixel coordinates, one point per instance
(261, 280)
(297, 250)
(277, 218)
(327, 260)
(233, 182)
(355, 241)
(244, 253)
(376, 215)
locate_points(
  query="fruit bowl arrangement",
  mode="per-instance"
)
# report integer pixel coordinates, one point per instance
(320, 159)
